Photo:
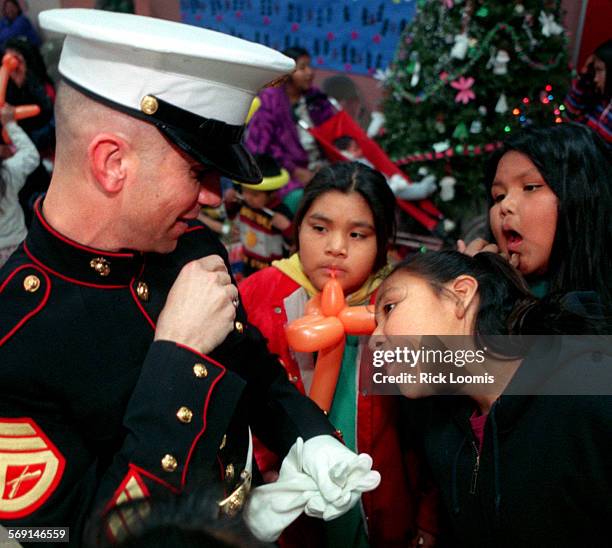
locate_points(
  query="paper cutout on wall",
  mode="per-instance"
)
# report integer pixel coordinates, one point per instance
(355, 36)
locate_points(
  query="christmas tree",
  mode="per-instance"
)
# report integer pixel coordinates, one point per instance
(467, 73)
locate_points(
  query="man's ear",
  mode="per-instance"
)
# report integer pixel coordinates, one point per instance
(465, 290)
(108, 156)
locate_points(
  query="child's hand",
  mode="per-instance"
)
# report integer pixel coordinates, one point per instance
(7, 114)
(479, 246)
(476, 246)
(280, 222)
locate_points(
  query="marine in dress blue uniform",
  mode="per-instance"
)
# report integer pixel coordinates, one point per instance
(95, 409)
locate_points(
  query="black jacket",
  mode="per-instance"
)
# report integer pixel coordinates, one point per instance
(90, 405)
(544, 477)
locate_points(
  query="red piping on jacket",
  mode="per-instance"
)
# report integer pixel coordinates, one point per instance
(40, 306)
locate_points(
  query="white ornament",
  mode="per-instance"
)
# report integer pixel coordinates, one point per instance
(519, 9)
(383, 76)
(423, 171)
(502, 105)
(416, 74)
(441, 146)
(500, 64)
(447, 188)
(482, 110)
(460, 48)
(377, 121)
(416, 68)
(549, 26)
(448, 225)
(476, 126)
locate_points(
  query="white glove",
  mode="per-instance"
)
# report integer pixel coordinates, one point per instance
(321, 477)
(339, 473)
(414, 191)
(274, 506)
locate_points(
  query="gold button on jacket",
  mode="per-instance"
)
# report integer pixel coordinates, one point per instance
(101, 266)
(31, 283)
(184, 414)
(142, 290)
(199, 370)
(169, 463)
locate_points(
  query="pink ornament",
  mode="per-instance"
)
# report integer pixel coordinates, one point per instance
(377, 38)
(444, 76)
(448, 4)
(464, 85)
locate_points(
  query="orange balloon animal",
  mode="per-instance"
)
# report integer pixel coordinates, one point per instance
(323, 329)
(9, 64)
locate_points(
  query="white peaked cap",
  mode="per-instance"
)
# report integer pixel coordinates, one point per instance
(194, 84)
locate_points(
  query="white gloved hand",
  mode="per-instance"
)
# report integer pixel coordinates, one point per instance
(415, 191)
(338, 471)
(321, 477)
(274, 506)
(356, 477)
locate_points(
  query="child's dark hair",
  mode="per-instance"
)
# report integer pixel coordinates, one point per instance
(576, 165)
(15, 3)
(604, 52)
(347, 177)
(32, 56)
(506, 305)
(190, 519)
(295, 52)
(343, 142)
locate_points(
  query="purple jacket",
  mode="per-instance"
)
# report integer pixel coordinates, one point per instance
(272, 129)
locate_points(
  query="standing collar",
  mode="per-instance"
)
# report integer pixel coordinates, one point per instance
(75, 262)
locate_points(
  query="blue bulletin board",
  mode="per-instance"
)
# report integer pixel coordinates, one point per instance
(354, 36)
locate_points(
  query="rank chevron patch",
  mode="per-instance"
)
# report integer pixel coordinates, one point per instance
(30, 467)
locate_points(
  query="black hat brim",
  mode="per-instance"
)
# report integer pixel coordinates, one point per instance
(232, 160)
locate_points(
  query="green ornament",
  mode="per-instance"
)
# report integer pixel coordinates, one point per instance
(470, 148)
(461, 131)
(482, 12)
(459, 149)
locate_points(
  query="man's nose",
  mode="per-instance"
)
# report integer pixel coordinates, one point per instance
(210, 190)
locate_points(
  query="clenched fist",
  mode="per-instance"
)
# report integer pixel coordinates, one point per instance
(200, 310)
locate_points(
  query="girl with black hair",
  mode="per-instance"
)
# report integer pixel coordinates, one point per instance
(278, 127)
(550, 201)
(14, 169)
(342, 228)
(515, 465)
(589, 100)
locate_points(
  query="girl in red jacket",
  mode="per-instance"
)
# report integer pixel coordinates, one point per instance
(343, 225)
